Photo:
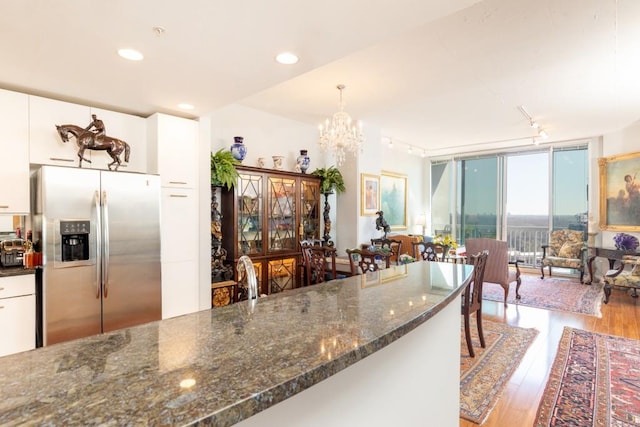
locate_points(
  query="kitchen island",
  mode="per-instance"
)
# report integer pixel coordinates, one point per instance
(358, 351)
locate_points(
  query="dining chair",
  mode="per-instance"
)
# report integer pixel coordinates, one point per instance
(395, 246)
(320, 264)
(365, 260)
(472, 299)
(429, 251)
(303, 261)
(498, 269)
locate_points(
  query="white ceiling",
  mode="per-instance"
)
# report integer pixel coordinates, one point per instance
(443, 75)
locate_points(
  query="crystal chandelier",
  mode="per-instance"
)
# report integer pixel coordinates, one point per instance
(340, 134)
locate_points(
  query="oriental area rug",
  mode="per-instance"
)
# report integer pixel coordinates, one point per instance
(594, 381)
(483, 378)
(551, 293)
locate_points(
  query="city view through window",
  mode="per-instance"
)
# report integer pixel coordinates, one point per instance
(516, 197)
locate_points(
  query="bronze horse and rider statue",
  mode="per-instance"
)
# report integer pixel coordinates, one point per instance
(88, 139)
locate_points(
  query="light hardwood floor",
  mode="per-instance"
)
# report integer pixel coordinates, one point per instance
(519, 402)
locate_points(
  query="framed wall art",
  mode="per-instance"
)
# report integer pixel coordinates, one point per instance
(393, 199)
(369, 194)
(620, 192)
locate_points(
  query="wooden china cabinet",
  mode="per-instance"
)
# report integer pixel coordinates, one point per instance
(265, 216)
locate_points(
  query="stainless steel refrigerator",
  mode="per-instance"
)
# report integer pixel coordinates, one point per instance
(100, 236)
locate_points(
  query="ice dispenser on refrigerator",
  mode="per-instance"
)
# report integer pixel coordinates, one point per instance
(74, 240)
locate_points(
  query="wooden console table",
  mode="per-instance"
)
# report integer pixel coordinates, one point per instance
(612, 255)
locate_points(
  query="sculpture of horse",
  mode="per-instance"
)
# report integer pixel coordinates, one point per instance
(89, 140)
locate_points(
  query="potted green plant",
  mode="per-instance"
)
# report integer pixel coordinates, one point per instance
(223, 169)
(331, 180)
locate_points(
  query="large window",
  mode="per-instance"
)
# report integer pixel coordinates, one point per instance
(441, 200)
(477, 201)
(517, 197)
(570, 175)
(527, 204)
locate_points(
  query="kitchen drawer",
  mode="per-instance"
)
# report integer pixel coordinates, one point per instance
(17, 285)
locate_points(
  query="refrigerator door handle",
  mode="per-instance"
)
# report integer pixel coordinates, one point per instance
(106, 243)
(98, 244)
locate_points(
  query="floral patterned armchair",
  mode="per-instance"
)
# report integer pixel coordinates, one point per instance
(626, 276)
(566, 249)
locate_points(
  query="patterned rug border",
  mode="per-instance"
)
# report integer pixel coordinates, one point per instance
(602, 382)
(587, 299)
(483, 382)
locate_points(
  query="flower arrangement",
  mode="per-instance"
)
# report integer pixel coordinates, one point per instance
(625, 242)
(447, 240)
(406, 259)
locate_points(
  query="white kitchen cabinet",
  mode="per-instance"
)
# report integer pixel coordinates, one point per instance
(45, 145)
(173, 150)
(179, 219)
(172, 144)
(179, 234)
(17, 314)
(179, 287)
(14, 146)
(128, 128)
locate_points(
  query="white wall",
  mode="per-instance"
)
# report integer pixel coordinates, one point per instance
(204, 209)
(416, 168)
(265, 135)
(375, 157)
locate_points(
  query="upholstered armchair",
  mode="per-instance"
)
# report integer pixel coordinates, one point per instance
(498, 269)
(627, 276)
(566, 249)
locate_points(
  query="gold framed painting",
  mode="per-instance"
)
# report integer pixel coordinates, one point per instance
(620, 192)
(393, 199)
(369, 194)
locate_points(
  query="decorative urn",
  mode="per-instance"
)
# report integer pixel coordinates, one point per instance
(238, 149)
(303, 161)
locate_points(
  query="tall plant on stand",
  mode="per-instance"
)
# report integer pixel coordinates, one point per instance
(331, 181)
(223, 174)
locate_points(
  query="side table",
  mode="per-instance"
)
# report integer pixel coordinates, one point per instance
(612, 255)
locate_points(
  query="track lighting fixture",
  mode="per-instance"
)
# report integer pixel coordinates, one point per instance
(411, 149)
(534, 125)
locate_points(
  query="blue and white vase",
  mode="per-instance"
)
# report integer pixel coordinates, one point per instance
(238, 149)
(303, 161)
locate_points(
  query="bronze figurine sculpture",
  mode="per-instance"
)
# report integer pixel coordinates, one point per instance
(86, 139)
(381, 224)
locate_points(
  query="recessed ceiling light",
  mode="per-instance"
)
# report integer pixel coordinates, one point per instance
(287, 58)
(131, 54)
(185, 106)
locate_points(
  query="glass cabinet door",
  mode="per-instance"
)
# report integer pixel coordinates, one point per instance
(250, 213)
(309, 210)
(282, 213)
(282, 274)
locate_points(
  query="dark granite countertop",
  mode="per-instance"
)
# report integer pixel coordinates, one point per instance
(15, 271)
(223, 365)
